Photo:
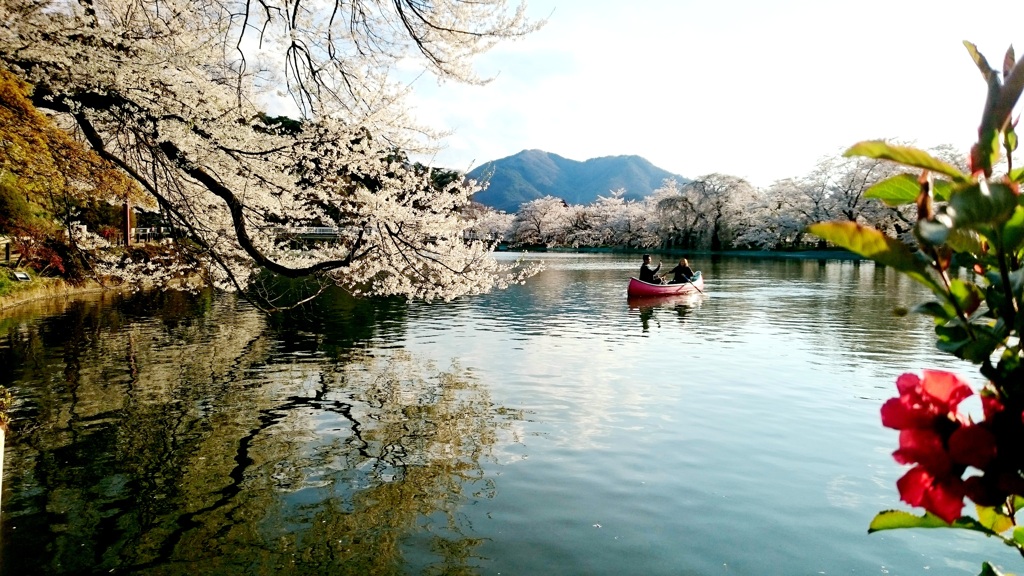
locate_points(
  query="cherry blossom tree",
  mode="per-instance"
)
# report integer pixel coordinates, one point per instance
(609, 216)
(719, 200)
(674, 214)
(770, 220)
(174, 93)
(487, 223)
(543, 221)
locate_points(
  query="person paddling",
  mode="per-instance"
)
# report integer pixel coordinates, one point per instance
(682, 273)
(647, 273)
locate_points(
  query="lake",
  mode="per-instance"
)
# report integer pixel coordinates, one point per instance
(552, 428)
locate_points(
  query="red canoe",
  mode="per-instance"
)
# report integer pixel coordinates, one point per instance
(638, 288)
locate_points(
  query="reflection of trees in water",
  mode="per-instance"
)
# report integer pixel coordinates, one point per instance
(335, 322)
(192, 446)
(858, 306)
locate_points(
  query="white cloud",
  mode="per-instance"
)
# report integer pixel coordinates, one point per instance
(756, 89)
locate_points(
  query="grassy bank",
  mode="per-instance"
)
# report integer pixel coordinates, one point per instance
(15, 293)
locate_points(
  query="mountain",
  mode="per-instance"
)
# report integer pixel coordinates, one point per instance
(533, 174)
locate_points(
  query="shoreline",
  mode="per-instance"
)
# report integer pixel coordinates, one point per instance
(57, 288)
(827, 254)
(48, 289)
(843, 255)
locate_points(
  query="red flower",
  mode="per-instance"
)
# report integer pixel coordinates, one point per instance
(973, 445)
(943, 497)
(922, 400)
(925, 414)
(924, 446)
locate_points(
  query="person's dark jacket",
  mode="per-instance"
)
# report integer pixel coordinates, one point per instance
(681, 274)
(647, 273)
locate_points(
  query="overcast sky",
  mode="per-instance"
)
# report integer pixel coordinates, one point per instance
(760, 89)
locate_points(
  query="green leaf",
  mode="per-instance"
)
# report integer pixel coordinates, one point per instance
(955, 339)
(1010, 137)
(991, 518)
(1017, 281)
(904, 189)
(896, 519)
(967, 295)
(907, 156)
(896, 191)
(982, 204)
(1018, 536)
(943, 189)
(963, 240)
(1015, 174)
(977, 351)
(952, 338)
(990, 570)
(1013, 231)
(935, 310)
(872, 244)
(985, 153)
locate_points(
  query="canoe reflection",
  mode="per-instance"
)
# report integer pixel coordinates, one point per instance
(682, 305)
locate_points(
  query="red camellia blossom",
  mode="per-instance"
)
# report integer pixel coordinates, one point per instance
(926, 415)
(973, 445)
(926, 447)
(943, 497)
(922, 400)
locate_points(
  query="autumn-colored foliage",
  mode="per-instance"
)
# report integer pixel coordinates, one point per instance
(46, 160)
(49, 180)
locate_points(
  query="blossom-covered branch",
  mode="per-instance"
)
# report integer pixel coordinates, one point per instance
(175, 94)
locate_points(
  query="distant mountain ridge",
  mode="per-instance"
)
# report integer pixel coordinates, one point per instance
(533, 174)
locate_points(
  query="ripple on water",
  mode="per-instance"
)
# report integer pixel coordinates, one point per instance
(735, 432)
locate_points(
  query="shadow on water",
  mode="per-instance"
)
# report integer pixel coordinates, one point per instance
(188, 434)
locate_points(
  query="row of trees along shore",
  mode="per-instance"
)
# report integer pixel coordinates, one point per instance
(715, 212)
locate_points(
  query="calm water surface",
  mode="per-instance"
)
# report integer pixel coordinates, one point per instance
(552, 428)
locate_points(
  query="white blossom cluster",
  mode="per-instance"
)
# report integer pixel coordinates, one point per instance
(86, 239)
(173, 92)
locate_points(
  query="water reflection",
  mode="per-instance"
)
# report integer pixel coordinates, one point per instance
(678, 306)
(336, 323)
(189, 434)
(854, 309)
(198, 439)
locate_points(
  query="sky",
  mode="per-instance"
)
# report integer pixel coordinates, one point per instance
(760, 89)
